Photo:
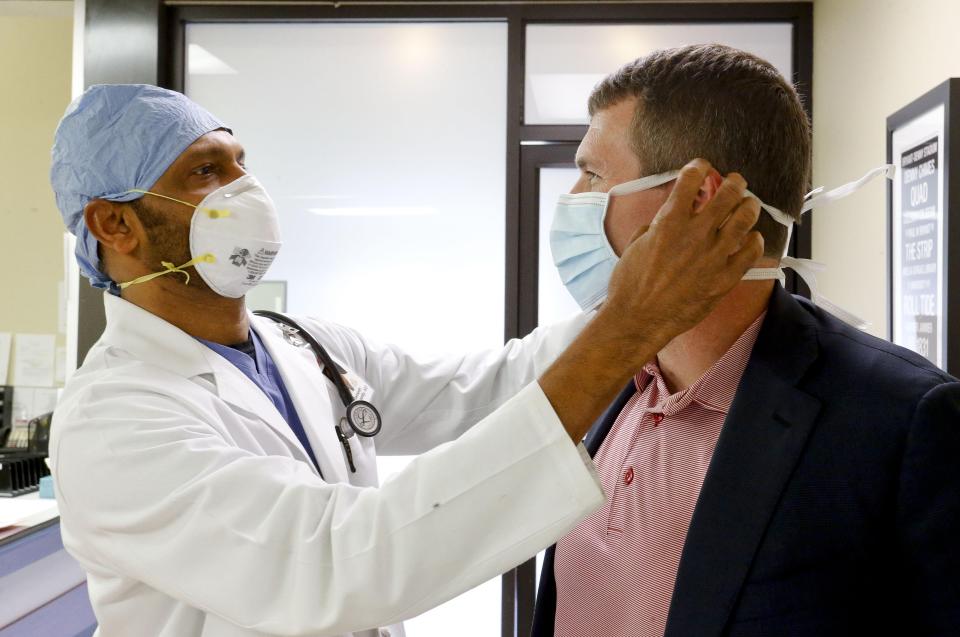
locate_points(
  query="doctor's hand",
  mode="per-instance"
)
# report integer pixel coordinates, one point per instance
(674, 271)
(669, 278)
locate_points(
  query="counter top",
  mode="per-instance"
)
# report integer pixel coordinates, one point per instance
(25, 514)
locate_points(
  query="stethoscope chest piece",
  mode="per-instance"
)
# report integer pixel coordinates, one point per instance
(361, 416)
(364, 418)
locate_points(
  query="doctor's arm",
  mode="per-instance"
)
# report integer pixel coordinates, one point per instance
(261, 542)
(681, 265)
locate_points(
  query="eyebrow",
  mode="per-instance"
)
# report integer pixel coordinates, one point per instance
(582, 162)
(215, 152)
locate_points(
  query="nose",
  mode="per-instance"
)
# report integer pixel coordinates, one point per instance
(235, 171)
(581, 185)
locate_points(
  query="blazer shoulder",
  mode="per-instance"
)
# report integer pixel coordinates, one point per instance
(873, 359)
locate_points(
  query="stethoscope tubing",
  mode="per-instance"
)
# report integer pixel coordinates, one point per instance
(336, 372)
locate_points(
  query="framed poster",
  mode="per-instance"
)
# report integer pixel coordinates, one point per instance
(922, 225)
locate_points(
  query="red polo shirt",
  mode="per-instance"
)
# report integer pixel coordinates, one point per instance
(616, 571)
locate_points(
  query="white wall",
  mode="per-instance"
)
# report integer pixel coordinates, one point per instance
(35, 72)
(871, 57)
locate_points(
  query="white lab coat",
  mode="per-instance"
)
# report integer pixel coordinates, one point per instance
(196, 511)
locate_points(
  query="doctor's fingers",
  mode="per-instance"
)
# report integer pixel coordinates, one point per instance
(737, 224)
(679, 205)
(751, 249)
(716, 212)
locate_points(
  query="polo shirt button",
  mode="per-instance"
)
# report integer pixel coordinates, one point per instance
(657, 419)
(628, 476)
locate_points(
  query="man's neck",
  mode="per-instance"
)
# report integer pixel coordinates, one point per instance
(200, 313)
(687, 357)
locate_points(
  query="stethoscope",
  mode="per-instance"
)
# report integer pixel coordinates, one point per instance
(361, 416)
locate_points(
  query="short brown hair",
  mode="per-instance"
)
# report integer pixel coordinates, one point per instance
(727, 106)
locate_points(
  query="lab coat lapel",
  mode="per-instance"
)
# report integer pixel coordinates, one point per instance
(309, 390)
(241, 393)
(151, 339)
(761, 442)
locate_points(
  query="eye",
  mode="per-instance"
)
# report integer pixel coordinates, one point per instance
(206, 169)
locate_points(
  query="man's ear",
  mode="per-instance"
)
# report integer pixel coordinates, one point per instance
(709, 188)
(113, 224)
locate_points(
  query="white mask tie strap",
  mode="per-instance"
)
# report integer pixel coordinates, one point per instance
(644, 183)
(807, 270)
(818, 197)
(765, 274)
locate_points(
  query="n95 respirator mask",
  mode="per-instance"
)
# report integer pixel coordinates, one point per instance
(234, 238)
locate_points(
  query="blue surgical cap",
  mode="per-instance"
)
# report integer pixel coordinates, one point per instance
(113, 138)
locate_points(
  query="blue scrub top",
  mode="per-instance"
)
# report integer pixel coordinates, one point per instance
(253, 359)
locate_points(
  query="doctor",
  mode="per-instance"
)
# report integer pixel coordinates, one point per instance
(215, 470)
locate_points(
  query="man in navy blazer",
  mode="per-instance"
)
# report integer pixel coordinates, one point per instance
(831, 504)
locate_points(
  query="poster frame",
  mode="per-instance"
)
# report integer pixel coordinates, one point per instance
(947, 95)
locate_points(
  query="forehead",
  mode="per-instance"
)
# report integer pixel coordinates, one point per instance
(608, 138)
(218, 142)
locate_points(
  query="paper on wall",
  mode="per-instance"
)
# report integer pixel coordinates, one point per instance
(44, 400)
(62, 307)
(60, 371)
(34, 359)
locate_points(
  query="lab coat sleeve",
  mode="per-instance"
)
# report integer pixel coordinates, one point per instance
(426, 402)
(263, 543)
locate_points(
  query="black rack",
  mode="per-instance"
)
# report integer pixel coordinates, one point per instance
(6, 412)
(20, 471)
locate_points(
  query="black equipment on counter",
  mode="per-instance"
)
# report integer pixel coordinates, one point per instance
(6, 412)
(20, 471)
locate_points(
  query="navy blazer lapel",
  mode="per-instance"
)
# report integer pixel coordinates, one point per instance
(762, 439)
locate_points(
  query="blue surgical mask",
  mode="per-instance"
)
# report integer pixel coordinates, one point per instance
(585, 259)
(581, 251)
